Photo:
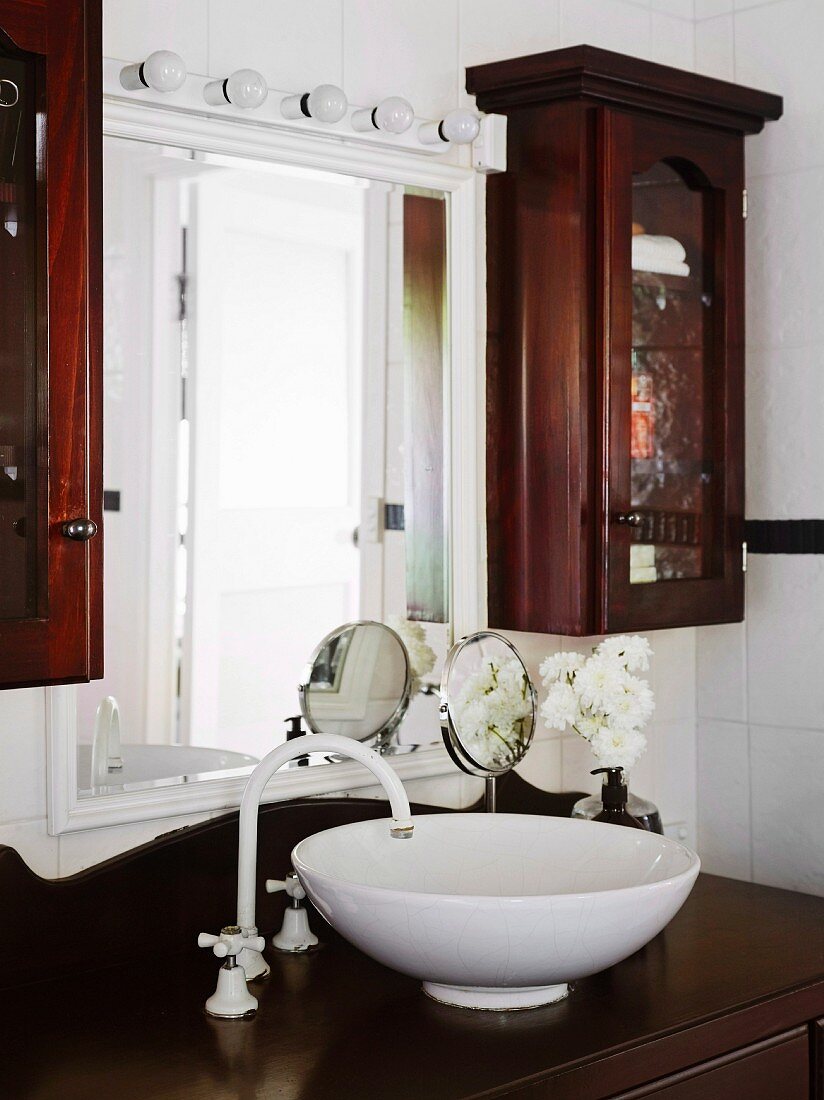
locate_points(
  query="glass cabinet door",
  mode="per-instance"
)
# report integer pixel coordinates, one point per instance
(675, 389)
(22, 595)
(50, 342)
(671, 448)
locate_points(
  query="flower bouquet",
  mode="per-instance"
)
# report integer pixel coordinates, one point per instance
(602, 699)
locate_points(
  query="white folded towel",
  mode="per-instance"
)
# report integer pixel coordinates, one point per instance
(661, 255)
(666, 248)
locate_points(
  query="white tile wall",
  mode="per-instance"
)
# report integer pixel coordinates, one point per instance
(295, 46)
(531, 26)
(787, 807)
(611, 24)
(724, 798)
(715, 47)
(759, 786)
(377, 48)
(785, 456)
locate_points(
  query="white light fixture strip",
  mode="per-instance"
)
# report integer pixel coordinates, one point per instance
(325, 111)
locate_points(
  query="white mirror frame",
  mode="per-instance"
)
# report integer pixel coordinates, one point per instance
(376, 159)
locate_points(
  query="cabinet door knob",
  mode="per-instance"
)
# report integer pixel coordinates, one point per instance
(81, 530)
(631, 519)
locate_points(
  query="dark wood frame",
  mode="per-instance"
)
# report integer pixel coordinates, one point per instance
(65, 643)
(558, 350)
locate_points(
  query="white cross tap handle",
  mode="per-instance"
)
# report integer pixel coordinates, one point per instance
(291, 884)
(231, 941)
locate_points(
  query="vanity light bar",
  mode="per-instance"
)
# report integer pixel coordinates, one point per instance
(326, 105)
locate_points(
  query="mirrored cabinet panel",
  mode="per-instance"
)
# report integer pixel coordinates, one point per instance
(615, 373)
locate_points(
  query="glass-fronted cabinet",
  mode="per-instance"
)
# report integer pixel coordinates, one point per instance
(50, 490)
(615, 464)
(673, 508)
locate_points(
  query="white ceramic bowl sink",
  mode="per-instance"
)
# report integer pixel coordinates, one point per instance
(496, 911)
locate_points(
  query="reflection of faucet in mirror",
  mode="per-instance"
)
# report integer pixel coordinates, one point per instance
(106, 751)
(240, 944)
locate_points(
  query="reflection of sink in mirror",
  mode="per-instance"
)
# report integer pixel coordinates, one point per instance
(357, 683)
(496, 910)
(274, 434)
(147, 765)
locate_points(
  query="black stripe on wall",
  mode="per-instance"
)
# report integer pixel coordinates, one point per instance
(785, 536)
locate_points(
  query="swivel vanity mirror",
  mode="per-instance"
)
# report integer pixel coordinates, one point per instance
(357, 684)
(487, 707)
(289, 397)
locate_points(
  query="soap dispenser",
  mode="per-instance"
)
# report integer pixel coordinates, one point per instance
(614, 797)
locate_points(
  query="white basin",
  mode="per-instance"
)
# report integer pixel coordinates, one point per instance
(496, 911)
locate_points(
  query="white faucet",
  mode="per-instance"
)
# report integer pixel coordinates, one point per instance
(251, 960)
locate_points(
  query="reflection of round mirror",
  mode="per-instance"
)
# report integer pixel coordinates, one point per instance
(357, 682)
(487, 705)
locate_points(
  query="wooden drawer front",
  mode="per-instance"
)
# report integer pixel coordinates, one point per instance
(775, 1069)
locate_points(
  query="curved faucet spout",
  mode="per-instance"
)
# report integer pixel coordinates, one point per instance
(401, 825)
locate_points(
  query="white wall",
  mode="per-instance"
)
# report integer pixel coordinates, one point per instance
(761, 684)
(375, 48)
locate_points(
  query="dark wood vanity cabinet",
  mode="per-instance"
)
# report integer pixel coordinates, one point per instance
(50, 341)
(615, 385)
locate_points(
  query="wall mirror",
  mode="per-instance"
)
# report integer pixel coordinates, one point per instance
(279, 416)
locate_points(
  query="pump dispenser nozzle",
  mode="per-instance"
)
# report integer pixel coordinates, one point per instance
(614, 798)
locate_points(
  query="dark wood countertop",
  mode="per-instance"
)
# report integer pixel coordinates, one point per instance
(336, 1024)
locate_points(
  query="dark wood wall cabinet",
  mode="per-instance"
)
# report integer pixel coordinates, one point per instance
(51, 563)
(615, 253)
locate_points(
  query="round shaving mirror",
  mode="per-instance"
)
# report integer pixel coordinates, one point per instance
(487, 707)
(357, 683)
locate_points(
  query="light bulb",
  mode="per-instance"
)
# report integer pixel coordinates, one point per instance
(326, 103)
(393, 115)
(244, 88)
(163, 71)
(460, 127)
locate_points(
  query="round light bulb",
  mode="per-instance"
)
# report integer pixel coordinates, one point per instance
(246, 88)
(164, 71)
(394, 115)
(327, 103)
(460, 126)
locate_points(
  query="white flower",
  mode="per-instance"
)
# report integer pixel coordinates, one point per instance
(633, 650)
(640, 691)
(560, 708)
(588, 725)
(600, 698)
(598, 682)
(560, 666)
(421, 655)
(617, 748)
